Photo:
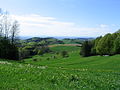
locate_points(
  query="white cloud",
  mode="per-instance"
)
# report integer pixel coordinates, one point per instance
(33, 18)
(36, 25)
(37, 20)
(104, 25)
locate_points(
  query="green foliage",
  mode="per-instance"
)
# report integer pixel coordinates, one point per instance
(33, 49)
(117, 45)
(33, 44)
(23, 53)
(43, 40)
(86, 49)
(104, 46)
(107, 45)
(95, 44)
(8, 50)
(41, 51)
(64, 54)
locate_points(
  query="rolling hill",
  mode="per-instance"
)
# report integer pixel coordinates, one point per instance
(71, 73)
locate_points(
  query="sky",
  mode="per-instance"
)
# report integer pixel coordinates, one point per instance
(79, 18)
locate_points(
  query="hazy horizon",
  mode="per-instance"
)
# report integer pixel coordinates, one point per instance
(56, 37)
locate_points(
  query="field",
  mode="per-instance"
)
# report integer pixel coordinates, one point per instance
(53, 72)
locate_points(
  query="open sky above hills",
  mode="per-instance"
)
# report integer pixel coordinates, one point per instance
(80, 18)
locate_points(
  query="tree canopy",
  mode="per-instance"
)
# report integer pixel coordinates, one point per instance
(106, 45)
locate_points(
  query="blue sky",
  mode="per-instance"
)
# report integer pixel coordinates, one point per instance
(79, 18)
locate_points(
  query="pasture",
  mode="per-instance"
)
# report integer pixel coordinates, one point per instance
(58, 73)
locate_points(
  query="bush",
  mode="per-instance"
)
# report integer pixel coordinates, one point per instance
(34, 59)
(64, 54)
(8, 50)
(86, 49)
(23, 53)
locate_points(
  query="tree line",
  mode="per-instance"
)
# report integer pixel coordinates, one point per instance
(106, 45)
(8, 32)
(32, 48)
(10, 46)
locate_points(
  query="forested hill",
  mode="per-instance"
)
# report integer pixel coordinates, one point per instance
(51, 40)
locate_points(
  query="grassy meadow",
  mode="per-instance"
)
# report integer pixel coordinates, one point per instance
(53, 72)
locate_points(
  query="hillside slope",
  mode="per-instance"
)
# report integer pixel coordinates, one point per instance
(59, 73)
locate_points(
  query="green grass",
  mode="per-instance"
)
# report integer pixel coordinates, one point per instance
(66, 48)
(72, 73)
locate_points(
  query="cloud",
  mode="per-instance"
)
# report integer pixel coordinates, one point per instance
(37, 25)
(37, 20)
(104, 25)
(33, 18)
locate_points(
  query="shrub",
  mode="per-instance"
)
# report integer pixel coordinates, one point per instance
(64, 54)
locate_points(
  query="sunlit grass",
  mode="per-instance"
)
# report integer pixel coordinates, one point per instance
(72, 73)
